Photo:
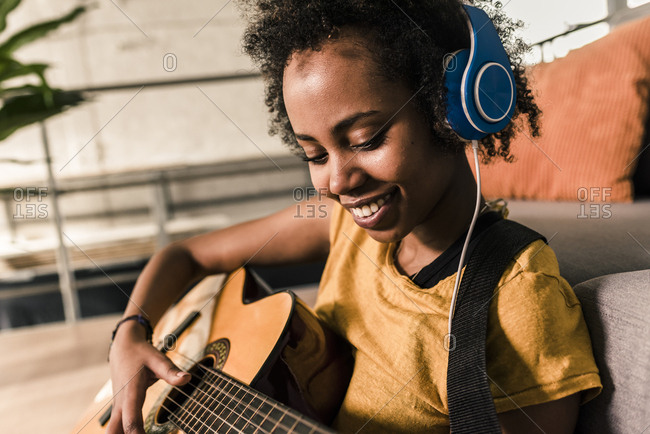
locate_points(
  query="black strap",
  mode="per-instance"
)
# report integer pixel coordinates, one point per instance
(471, 407)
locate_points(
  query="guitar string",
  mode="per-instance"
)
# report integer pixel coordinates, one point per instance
(233, 410)
(212, 413)
(220, 401)
(238, 401)
(193, 401)
(188, 426)
(200, 402)
(192, 416)
(250, 420)
(280, 407)
(191, 424)
(180, 418)
(231, 426)
(170, 418)
(284, 410)
(185, 411)
(220, 375)
(233, 398)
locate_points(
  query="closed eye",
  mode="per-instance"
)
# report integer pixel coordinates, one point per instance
(318, 159)
(376, 141)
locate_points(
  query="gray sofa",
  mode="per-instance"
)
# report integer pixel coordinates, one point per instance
(607, 260)
(616, 308)
(591, 247)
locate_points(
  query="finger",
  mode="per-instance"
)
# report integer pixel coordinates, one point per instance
(165, 369)
(132, 401)
(115, 422)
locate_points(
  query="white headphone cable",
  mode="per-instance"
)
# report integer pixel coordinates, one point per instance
(461, 263)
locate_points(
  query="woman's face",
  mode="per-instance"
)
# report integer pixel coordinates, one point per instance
(368, 147)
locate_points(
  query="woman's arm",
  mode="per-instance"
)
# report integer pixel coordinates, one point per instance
(555, 417)
(285, 237)
(282, 238)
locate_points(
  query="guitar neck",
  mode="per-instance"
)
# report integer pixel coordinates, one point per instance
(218, 403)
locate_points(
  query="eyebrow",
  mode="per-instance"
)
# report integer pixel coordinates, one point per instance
(341, 125)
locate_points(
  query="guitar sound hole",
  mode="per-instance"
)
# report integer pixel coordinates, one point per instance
(181, 397)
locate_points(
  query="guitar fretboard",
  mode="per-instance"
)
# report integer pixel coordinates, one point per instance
(221, 404)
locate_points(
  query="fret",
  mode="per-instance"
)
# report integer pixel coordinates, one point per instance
(199, 406)
(232, 418)
(287, 421)
(241, 416)
(225, 397)
(173, 418)
(272, 422)
(305, 428)
(241, 405)
(192, 420)
(215, 409)
(257, 417)
(220, 404)
(186, 418)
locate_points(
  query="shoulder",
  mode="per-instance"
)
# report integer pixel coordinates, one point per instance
(538, 345)
(532, 295)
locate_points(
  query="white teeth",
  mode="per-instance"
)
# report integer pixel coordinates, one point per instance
(370, 209)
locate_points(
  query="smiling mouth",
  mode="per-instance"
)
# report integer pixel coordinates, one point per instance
(371, 208)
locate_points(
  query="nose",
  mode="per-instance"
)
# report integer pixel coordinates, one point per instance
(345, 175)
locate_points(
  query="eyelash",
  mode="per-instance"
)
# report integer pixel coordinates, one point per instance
(371, 144)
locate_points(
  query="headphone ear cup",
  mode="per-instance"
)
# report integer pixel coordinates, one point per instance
(455, 65)
(481, 86)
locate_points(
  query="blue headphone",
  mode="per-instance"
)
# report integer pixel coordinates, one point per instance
(481, 91)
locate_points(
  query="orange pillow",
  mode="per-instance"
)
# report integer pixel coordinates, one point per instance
(595, 104)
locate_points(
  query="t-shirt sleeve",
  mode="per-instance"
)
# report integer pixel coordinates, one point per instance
(538, 345)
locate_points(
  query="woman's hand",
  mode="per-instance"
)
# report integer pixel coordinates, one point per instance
(136, 365)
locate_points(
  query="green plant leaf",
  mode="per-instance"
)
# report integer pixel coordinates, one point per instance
(23, 110)
(37, 31)
(6, 6)
(10, 68)
(28, 89)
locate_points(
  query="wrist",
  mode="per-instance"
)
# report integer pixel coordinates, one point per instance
(134, 322)
(134, 326)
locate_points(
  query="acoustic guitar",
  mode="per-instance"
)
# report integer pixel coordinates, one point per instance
(267, 364)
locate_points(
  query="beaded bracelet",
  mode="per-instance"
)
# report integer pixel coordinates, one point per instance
(140, 319)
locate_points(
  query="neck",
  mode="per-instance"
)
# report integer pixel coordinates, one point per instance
(449, 219)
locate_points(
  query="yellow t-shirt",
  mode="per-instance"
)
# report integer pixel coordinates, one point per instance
(538, 347)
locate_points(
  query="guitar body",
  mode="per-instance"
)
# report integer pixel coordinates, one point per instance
(273, 350)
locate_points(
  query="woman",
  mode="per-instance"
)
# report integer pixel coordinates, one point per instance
(356, 87)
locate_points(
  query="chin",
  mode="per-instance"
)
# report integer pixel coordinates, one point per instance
(387, 236)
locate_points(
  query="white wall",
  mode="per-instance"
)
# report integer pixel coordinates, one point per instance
(125, 42)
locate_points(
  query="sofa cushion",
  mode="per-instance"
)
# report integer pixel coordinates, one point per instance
(591, 239)
(617, 311)
(595, 105)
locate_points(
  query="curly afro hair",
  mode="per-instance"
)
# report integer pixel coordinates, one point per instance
(410, 40)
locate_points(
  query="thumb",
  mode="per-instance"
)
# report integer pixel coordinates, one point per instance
(165, 369)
